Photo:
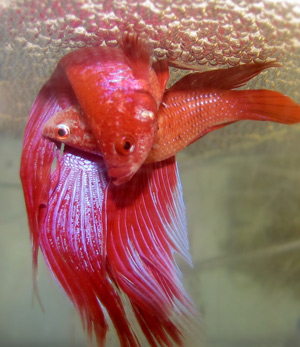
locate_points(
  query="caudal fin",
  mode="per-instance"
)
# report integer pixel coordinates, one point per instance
(267, 105)
(145, 225)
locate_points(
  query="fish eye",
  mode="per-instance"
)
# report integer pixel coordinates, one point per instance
(62, 132)
(125, 145)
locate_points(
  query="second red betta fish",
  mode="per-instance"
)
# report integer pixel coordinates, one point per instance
(194, 106)
(119, 92)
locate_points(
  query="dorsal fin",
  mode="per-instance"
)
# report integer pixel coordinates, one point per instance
(138, 54)
(222, 78)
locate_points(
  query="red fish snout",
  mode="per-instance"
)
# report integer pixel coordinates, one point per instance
(121, 174)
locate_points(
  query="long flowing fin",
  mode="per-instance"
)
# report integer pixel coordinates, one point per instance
(38, 154)
(230, 78)
(145, 224)
(72, 242)
(267, 105)
(64, 213)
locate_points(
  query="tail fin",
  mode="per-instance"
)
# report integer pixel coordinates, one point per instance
(267, 105)
(146, 224)
(71, 240)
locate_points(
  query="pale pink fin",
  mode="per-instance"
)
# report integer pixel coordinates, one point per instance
(162, 72)
(72, 242)
(266, 105)
(138, 54)
(145, 223)
(230, 78)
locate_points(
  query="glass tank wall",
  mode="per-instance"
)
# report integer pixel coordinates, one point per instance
(241, 184)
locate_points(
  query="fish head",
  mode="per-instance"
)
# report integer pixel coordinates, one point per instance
(70, 126)
(119, 93)
(58, 128)
(126, 135)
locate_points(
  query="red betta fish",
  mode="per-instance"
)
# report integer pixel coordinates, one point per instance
(119, 92)
(102, 242)
(194, 106)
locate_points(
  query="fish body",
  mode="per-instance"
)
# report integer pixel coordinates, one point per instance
(119, 92)
(198, 104)
(182, 123)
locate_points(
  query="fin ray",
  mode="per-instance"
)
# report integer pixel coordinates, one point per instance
(146, 225)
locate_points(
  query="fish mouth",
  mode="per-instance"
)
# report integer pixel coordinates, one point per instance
(120, 175)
